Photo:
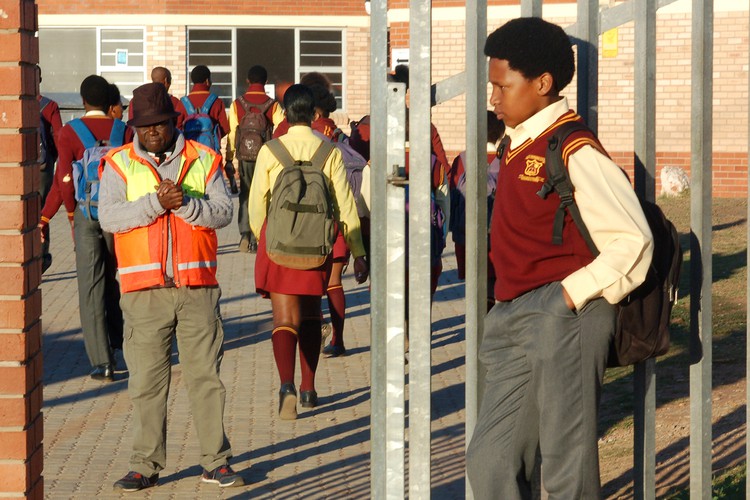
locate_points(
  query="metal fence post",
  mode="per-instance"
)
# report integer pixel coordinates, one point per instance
(701, 271)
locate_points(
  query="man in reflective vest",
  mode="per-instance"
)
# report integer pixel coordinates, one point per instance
(163, 198)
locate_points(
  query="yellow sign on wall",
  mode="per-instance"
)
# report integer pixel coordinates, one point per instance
(609, 43)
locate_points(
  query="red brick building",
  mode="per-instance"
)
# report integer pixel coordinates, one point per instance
(123, 41)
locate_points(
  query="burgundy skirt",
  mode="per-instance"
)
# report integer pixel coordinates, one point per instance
(340, 250)
(273, 278)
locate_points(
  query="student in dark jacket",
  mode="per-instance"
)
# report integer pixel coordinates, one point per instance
(98, 290)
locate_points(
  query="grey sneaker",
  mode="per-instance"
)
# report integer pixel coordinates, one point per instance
(134, 481)
(224, 476)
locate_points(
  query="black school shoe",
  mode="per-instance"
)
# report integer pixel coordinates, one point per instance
(105, 372)
(134, 481)
(308, 399)
(224, 476)
(288, 402)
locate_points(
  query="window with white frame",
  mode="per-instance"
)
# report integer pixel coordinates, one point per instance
(286, 53)
(68, 55)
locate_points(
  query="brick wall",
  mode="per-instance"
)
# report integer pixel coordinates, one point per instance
(616, 93)
(226, 7)
(167, 46)
(20, 249)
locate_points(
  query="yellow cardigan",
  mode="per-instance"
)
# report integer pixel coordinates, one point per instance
(302, 144)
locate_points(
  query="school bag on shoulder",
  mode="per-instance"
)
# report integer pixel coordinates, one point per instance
(354, 163)
(253, 130)
(300, 227)
(86, 169)
(642, 330)
(47, 149)
(198, 125)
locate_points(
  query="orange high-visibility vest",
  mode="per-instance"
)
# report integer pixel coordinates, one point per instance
(142, 251)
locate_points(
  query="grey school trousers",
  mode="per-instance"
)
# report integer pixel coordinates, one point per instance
(153, 318)
(247, 169)
(545, 365)
(98, 289)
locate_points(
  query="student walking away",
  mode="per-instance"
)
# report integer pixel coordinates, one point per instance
(308, 79)
(116, 109)
(294, 259)
(162, 75)
(547, 338)
(325, 128)
(50, 125)
(457, 181)
(81, 144)
(163, 197)
(251, 118)
(206, 119)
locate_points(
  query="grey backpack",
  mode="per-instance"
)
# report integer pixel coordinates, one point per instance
(300, 228)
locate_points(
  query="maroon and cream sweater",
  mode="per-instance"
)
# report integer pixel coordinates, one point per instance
(522, 252)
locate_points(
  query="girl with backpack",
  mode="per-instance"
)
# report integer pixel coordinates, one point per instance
(295, 291)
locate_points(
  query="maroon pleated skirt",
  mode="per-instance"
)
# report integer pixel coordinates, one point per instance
(273, 278)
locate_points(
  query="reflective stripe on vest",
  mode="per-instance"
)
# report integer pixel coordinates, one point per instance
(142, 252)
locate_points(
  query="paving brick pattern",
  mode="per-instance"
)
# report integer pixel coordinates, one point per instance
(323, 454)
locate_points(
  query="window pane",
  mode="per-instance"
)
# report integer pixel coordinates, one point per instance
(209, 47)
(125, 81)
(320, 48)
(66, 56)
(271, 48)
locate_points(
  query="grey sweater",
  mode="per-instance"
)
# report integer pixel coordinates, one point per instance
(117, 214)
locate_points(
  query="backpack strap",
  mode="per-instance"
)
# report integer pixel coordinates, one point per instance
(84, 134)
(281, 153)
(189, 107)
(266, 105)
(117, 135)
(321, 154)
(559, 181)
(243, 102)
(43, 102)
(210, 100)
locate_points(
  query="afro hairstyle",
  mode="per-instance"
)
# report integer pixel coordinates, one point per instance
(95, 91)
(324, 99)
(532, 47)
(315, 78)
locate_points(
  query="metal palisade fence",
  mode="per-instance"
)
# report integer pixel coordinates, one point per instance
(393, 309)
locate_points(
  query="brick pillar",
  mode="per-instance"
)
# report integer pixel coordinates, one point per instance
(20, 250)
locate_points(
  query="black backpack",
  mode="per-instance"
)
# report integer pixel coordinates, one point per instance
(47, 149)
(642, 330)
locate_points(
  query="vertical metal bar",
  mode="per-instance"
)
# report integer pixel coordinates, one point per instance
(530, 8)
(701, 272)
(747, 296)
(587, 31)
(644, 449)
(379, 231)
(396, 300)
(476, 205)
(420, 36)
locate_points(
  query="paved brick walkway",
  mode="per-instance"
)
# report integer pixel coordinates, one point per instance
(323, 454)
